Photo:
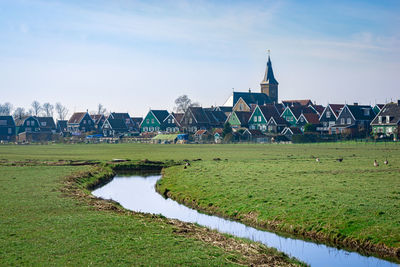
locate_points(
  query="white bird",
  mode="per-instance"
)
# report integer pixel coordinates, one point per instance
(317, 159)
(386, 162)
(376, 164)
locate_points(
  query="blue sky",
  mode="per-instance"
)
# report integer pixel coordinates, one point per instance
(135, 55)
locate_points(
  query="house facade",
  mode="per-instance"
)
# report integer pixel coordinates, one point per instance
(329, 116)
(387, 121)
(153, 121)
(194, 119)
(354, 119)
(80, 122)
(239, 119)
(7, 128)
(114, 127)
(27, 124)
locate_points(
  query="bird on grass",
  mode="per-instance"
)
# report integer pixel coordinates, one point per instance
(340, 159)
(386, 162)
(317, 160)
(376, 164)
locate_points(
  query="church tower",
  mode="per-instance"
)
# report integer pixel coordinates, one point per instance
(269, 85)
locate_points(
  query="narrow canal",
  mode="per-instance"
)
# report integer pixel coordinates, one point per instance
(138, 193)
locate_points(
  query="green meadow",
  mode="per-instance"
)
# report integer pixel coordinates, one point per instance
(278, 187)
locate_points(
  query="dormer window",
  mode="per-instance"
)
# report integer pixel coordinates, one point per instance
(43, 123)
(387, 119)
(190, 121)
(380, 119)
(366, 112)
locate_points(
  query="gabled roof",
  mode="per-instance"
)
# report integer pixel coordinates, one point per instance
(379, 106)
(312, 118)
(9, 121)
(336, 108)
(137, 120)
(297, 110)
(359, 114)
(215, 117)
(293, 130)
(178, 117)
(243, 116)
(201, 132)
(160, 114)
(49, 122)
(224, 109)
(62, 124)
(269, 111)
(279, 107)
(122, 116)
(392, 110)
(199, 114)
(301, 102)
(318, 108)
(254, 132)
(278, 120)
(269, 74)
(20, 120)
(117, 124)
(77, 117)
(97, 118)
(251, 98)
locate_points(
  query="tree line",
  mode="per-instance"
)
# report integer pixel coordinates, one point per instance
(47, 109)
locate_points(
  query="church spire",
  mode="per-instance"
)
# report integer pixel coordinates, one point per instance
(269, 85)
(269, 74)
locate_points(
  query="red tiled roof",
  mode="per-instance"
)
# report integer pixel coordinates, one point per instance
(77, 117)
(200, 132)
(311, 118)
(336, 108)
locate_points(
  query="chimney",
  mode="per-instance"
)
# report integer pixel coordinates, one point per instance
(249, 90)
(355, 104)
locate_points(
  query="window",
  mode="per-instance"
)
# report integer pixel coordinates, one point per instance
(145, 129)
(328, 114)
(366, 112)
(325, 124)
(151, 129)
(380, 119)
(259, 118)
(255, 118)
(84, 122)
(241, 106)
(388, 119)
(3, 122)
(172, 121)
(169, 120)
(348, 121)
(9, 130)
(342, 121)
(148, 121)
(190, 120)
(152, 120)
(43, 123)
(28, 123)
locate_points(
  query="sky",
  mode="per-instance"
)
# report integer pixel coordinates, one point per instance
(131, 56)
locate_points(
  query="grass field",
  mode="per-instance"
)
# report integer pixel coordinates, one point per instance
(271, 185)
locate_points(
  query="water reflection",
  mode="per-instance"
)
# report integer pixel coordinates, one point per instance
(137, 193)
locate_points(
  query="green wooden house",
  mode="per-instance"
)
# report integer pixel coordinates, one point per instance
(239, 119)
(153, 121)
(261, 117)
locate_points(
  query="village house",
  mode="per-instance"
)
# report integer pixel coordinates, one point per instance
(307, 118)
(62, 127)
(202, 136)
(257, 136)
(47, 125)
(126, 118)
(171, 123)
(217, 118)
(387, 121)
(153, 121)
(7, 128)
(98, 119)
(266, 118)
(27, 124)
(329, 116)
(195, 119)
(80, 122)
(114, 127)
(292, 113)
(354, 119)
(239, 119)
(288, 132)
(137, 121)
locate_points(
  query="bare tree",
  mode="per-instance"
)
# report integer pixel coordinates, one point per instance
(19, 113)
(48, 109)
(62, 111)
(5, 109)
(36, 108)
(183, 102)
(101, 109)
